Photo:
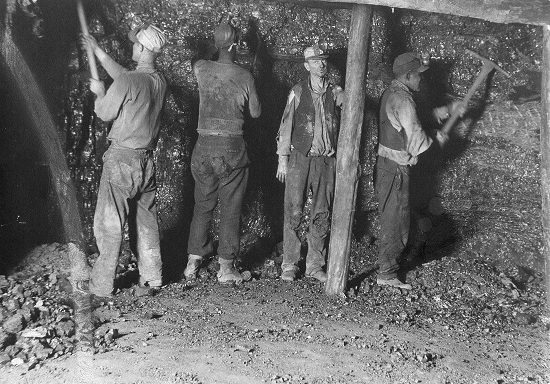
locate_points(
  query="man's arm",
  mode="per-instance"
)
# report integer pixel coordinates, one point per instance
(417, 139)
(285, 133)
(108, 105)
(113, 68)
(254, 105)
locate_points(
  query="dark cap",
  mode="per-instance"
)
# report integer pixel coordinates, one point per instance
(408, 62)
(224, 35)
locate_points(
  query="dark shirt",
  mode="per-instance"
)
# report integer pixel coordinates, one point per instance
(224, 90)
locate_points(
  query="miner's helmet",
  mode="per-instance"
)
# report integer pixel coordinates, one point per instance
(408, 62)
(150, 36)
(314, 53)
(224, 36)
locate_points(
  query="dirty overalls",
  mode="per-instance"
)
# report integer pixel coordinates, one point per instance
(134, 101)
(308, 172)
(219, 165)
(219, 162)
(392, 188)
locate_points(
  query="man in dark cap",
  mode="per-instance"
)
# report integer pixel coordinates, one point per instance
(306, 145)
(219, 162)
(134, 103)
(401, 140)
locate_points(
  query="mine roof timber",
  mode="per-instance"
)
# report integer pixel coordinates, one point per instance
(536, 12)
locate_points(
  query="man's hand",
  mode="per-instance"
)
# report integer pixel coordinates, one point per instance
(339, 95)
(444, 112)
(442, 138)
(282, 168)
(457, 106)
(97, 87)
(88, 42)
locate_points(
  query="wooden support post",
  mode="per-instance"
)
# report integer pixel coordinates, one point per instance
(545, 156)
(347, 171)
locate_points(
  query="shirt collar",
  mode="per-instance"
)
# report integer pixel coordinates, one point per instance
(397, 84)
(313, 90)
(145, 67)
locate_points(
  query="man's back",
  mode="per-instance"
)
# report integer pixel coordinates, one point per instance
(135, 101)
(225, 89)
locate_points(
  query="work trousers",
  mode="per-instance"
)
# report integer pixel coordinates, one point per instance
(128, 176)
(219, 166)
(392, 187)
(305, 173)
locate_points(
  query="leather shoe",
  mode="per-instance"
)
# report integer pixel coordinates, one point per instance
(288, 275)
(319, 275)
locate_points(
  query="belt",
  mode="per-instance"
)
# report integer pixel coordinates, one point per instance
(220, 134)
(140, 151)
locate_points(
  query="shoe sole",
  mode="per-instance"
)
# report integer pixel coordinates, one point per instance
(408, 287)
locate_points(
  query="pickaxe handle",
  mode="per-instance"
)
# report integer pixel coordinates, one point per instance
(84, 28)
(488, 66)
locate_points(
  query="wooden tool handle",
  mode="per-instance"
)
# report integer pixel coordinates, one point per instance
(84, 28)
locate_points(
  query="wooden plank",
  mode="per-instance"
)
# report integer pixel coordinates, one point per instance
(536, 12)
(545, 156)
(347, 165)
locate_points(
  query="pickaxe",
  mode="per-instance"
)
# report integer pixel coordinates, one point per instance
(488, 66)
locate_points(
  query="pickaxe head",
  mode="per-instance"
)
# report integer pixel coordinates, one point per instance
(487, 63)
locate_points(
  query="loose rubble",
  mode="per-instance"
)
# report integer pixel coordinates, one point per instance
(37, 318)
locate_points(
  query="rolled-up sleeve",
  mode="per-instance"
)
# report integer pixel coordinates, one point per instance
(405, 117)
(253, 101)
(108, 107)
(285, 128)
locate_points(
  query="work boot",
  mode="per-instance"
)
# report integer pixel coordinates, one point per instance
(290, 272)
(145, 290)
(228, 273)
(288, 275)
(395, 282)
(319, 275)
(193, 264)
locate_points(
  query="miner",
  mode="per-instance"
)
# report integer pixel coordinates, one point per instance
(401, 140)
(306, 146)
(219, 162)
(134, 103)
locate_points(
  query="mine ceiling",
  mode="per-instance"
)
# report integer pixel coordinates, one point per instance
(536, 12)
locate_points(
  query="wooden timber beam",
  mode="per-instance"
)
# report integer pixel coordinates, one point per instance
(22, 79)
(347, 164)
(545, 156)
(536, 12)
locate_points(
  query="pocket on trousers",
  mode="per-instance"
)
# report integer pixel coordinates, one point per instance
(119, 173)
(220, 167)
(235, 156)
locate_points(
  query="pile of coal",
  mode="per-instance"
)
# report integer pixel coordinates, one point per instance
(36, 317)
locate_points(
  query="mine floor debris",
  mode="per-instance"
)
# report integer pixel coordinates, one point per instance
(463, 321)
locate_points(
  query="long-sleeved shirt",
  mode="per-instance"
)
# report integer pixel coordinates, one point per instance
(134, 101)
(321, 145)
(401, 112)
(224, 90)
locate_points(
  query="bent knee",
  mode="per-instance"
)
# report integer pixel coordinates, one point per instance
(321, 223)
(295, 220)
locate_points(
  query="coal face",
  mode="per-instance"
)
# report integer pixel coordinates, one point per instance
(492, 161)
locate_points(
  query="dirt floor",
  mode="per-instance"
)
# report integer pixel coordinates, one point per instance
(463, 322)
